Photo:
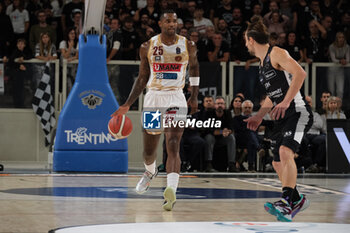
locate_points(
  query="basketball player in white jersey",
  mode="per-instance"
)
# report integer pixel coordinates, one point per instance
(164, 61)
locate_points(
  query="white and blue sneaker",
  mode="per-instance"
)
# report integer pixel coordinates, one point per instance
(143, 185)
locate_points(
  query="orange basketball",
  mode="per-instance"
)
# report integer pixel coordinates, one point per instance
(120, 126)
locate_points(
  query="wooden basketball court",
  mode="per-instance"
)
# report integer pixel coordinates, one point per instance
(42, 202)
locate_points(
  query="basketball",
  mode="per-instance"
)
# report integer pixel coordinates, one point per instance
(120, 126)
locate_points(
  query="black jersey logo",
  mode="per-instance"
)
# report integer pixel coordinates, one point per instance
(178, 50)
(270, 74)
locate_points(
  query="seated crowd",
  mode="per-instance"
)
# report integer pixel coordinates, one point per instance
(235, 148)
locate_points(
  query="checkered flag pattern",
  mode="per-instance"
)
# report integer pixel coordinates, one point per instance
(43, 105)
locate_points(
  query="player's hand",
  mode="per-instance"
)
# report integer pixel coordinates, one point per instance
(253, 122)
(193, 103)
(122, 110)
(279, 111)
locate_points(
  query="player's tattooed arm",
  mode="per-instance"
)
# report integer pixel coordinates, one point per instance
(140, 82)
(144, 73)
(193, 72)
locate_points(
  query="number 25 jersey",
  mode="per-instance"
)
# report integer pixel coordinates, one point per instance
(168, 64)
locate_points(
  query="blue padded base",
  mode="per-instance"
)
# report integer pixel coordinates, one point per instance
(90, 161)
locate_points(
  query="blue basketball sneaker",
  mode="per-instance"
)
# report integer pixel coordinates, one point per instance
(281, 209)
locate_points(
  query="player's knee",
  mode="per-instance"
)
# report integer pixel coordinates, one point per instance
(173, 141)
(286, 153)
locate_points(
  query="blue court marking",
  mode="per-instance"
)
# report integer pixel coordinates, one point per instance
(153, 193)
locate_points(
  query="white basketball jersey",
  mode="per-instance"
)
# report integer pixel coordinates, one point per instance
(168, 64)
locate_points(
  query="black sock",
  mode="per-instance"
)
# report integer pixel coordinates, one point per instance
(287, 193)
(295, 195)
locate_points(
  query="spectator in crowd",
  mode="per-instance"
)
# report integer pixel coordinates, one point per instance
(332, 111)
(114, 40)
(19, 72)
(76, 19)
(245, 78)
(19, 18)
(277, 23)
(339, 52)
(294, 49)
(324, 98)
(142, 27)
(129, 51)
(246, 139)
(225, 32)
(315, 11)
(106, 24)
(153, 13)
(163, 5)
(33, 6)
(45, 51)
(111, 10)
(224, 12)
(300, 10)
(47, 8)
(199, 22)
(6, 35)
(281, 40)
(69, 50)
(129, 8)
(247, 7)
(344, 25)
(3, 53)
(273, 7)
(184, 32)
(237, 25)
(327, 22)
(286, 9)
(203, 43)
(256, 10)
(188, 24)
(41, 27)
(130, 41)
(315, 44)
(206, 111)
(273, 40)
(315, 139)
(329, 7)
(236, 106)
(194, 145)
(222, 136)
(218, 49)
(186, 11)
(68, 12)
(194, 36)
(149, 34)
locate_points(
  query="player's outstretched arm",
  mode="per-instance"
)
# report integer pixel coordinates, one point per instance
(140, 82)
(194, 75)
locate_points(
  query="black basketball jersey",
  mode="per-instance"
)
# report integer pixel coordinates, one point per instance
(276, 83)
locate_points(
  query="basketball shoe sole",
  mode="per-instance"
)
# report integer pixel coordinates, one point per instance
(169, 199)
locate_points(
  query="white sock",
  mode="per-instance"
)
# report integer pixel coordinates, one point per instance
(173, 180)
(151, 168)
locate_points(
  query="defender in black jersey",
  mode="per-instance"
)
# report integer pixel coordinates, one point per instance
(282, 78)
